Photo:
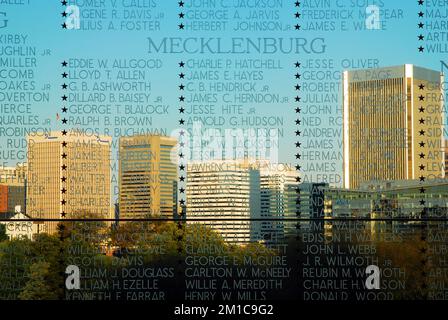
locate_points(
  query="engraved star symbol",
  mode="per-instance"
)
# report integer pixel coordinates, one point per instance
(181, 64)
(422, 167)
(64, 26)
(181, 87)
(181, 15)
(64, 86)
(182, 190)
(64, 63)
(64, 156)
(420, 25)
(181, 26)
(181, 75)
(422, 144)
(297, 27)
(297, 15)
(421, 109)
(297, 64)
(422, 155)
(182, 167)
(64, 109)
(298, 167)
(422, 121)
(421, 14)
(181, 110)
(64, 121)
(63, 179)
(63, 216)
(63, 202)
(297, 4)
(64, 144)
(64, 75)
(421, 98)
(298, 110)
(421, 86)
(64, 167)
(181, 98)
(181, 3)
(63, 190)
(422, 132)
(421, 37)
(64, 132)
(297, 87)
(297, 76)
(298, 144)
(421, 49)
(64, 14)
(182, 178)
(64, 2)
(181, 121)
(420, 2)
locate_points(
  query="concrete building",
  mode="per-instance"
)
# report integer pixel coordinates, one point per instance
(148, 177)
(12, 189)
(389, 199)
(68, 175)
(393, 124)
(278, 200)
(224, 195)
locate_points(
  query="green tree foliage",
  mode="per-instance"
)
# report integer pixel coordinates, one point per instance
(38, 286)
(15, 261)
(3, 235)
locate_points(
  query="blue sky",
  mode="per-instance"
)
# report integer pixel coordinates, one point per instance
(41, 21)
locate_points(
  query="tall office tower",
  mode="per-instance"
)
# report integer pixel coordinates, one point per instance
(228, 190)
(147, 177)
(278, 200)
(446, 159)
(393, 124)
(12, 189)
(68, 176)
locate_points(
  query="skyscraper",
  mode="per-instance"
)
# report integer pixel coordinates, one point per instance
(68, 175)
(393, 124)
(225, 194)
(147, 177)
(278, 200)
(446, 159)
(12, 189)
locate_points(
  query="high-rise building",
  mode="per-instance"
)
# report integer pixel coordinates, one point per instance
(446, 159)
(68, 176)
(278, 200)
(393, 124)
(12, 189)
(225, 195)
(147, 177)
(13, 174)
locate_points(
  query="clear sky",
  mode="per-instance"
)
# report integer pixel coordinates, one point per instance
(41, 21)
